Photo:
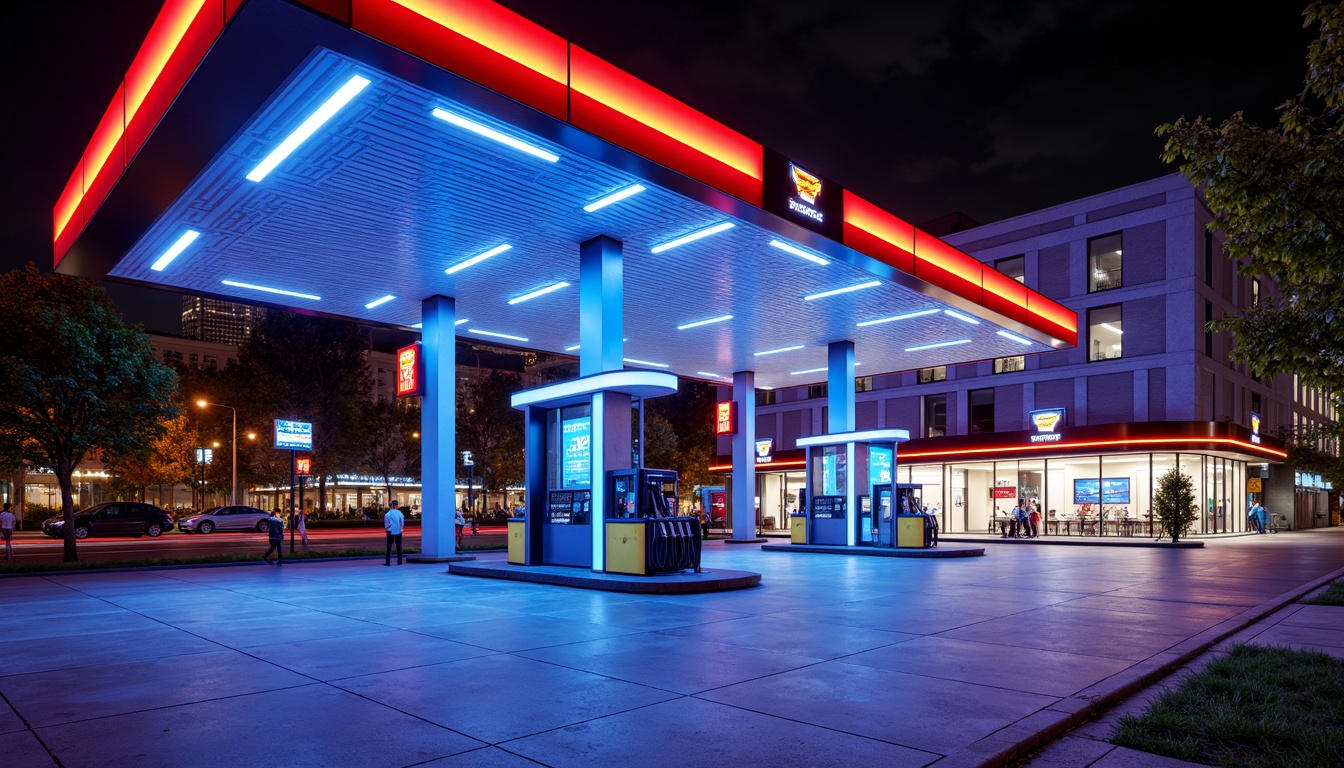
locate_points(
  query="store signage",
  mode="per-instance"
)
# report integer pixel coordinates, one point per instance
(375, 480)
(1255, 427)
(294, 435)
(577, 460)
(763, 450)
(303, 466)
(205, 456)
(796, 194)
(1046, 420)
(1254, 485)
(410, 371)
(1005, 492)
(724, 423)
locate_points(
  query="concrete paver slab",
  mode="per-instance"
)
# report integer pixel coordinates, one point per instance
(85, 650)
(792, 636)
(333, 658)
(22, 750)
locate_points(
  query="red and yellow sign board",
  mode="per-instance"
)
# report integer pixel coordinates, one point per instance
(410, 371)
(724, 423)
(303, 465)
(1005, 492)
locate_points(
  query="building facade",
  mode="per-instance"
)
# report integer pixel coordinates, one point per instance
(219, 322)
(1148, 388)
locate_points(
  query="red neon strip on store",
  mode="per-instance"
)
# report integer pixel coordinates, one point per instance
(786, 464)
(1097, 444)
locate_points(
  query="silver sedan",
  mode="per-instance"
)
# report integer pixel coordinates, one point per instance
(233, 518)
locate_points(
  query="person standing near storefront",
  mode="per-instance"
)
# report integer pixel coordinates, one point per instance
(1034, 518)
(1259, 516)
(7, 530)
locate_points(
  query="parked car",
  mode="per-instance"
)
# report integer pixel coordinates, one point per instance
(231, 518)
(113, 518)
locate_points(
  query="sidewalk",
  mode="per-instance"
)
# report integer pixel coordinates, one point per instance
(1296, 626)
(833, 661)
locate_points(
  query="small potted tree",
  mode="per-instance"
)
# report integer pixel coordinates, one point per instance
(1175, 503)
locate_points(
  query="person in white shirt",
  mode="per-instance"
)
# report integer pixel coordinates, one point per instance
(7, 530)
(393, 522)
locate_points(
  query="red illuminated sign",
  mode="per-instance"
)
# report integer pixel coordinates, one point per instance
(724, 423)
(303, 465)
(410, 371)
(1005, 492)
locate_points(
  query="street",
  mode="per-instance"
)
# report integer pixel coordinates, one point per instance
(37, 547)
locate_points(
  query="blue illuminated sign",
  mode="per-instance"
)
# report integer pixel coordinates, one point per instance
(879, 465)
(577, 451)
(1108, 490)
(294, 435)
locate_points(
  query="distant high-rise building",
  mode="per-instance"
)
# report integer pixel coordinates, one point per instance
(219, 322)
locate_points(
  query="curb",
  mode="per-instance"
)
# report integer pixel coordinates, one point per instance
(1004, 746)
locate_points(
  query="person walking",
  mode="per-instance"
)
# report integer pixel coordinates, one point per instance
(301, 526)
(7, 530)
(275, 533)
(459, 522)
(393, 523)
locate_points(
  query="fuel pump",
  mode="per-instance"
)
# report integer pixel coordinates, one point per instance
(648, 497)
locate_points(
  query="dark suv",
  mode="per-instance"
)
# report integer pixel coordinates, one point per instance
(113, 518)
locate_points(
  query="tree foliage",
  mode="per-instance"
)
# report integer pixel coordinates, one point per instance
(1278, 195)
(690, 415)
(391, 440)
(1175, 503)
(75, 380)
(491, 428)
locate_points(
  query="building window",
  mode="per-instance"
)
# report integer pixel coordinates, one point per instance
(981, 403)
(1103, 263)
(1010, 364)
(765, 397)
(212, 362)
(194, 359)
(935, 415)
(863, 384)
(816, 390)
(1014, 267)
(1255, 408)
(1105, 331)
(1208, 258)
(1255, 291)
(929, 375)
(1208, 332)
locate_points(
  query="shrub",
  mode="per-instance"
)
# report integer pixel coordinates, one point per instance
(1175, 503)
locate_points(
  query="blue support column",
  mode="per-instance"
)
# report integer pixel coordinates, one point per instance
(840, 387)
(438, 428)
(601, 349)
(742, 504)
(601, 306)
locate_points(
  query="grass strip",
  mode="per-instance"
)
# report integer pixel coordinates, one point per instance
(1333, 595)
(1256, 708)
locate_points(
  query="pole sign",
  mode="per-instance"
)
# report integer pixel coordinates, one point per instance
(796, 194)
(410, 371)
(294, 435)
(205, 456)
(303, 465)
(724, 423)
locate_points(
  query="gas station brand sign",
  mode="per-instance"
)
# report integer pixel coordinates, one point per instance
(303, 465)
(1045, 421)
(1255, 427)
(410, 371)
(796, 194)
(723, 419)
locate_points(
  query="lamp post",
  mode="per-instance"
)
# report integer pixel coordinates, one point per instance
(233, 485)
(470, 464)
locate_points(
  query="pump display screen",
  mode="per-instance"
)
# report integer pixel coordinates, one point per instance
(828, 507)
(568, 507)
(577, 451)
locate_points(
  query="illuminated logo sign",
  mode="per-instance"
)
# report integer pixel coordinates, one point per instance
(1255, 427)
(763, 448)
(802, 197)
(205, 456)
(303, 465)
(723, 419)
(410, 377)
(1045, 421)
(294, 435)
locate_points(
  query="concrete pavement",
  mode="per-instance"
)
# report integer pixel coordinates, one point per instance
(834, 660)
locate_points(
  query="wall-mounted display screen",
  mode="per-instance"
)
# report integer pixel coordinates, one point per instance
(576, 441)
(1107, 490)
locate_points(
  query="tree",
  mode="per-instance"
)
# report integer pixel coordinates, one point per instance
(491, 428)
(690, 415)
(1175, 503)
(75, 380)
(304, 369)
(1278, 195)
(169, 460)
(391, 440)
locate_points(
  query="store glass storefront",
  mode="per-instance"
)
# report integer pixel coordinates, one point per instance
(1097, 495)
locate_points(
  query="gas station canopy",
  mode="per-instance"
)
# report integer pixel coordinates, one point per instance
(354, 158)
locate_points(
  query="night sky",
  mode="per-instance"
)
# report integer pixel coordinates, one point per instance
(988, 108)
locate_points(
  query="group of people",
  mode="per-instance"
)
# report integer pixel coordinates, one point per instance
(1259, 518)
(1024, 522)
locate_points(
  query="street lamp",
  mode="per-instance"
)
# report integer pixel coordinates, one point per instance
(233, 485)
(470, 464)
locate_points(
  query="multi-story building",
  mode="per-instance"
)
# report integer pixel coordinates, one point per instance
(219, 322)
(1148, 388)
